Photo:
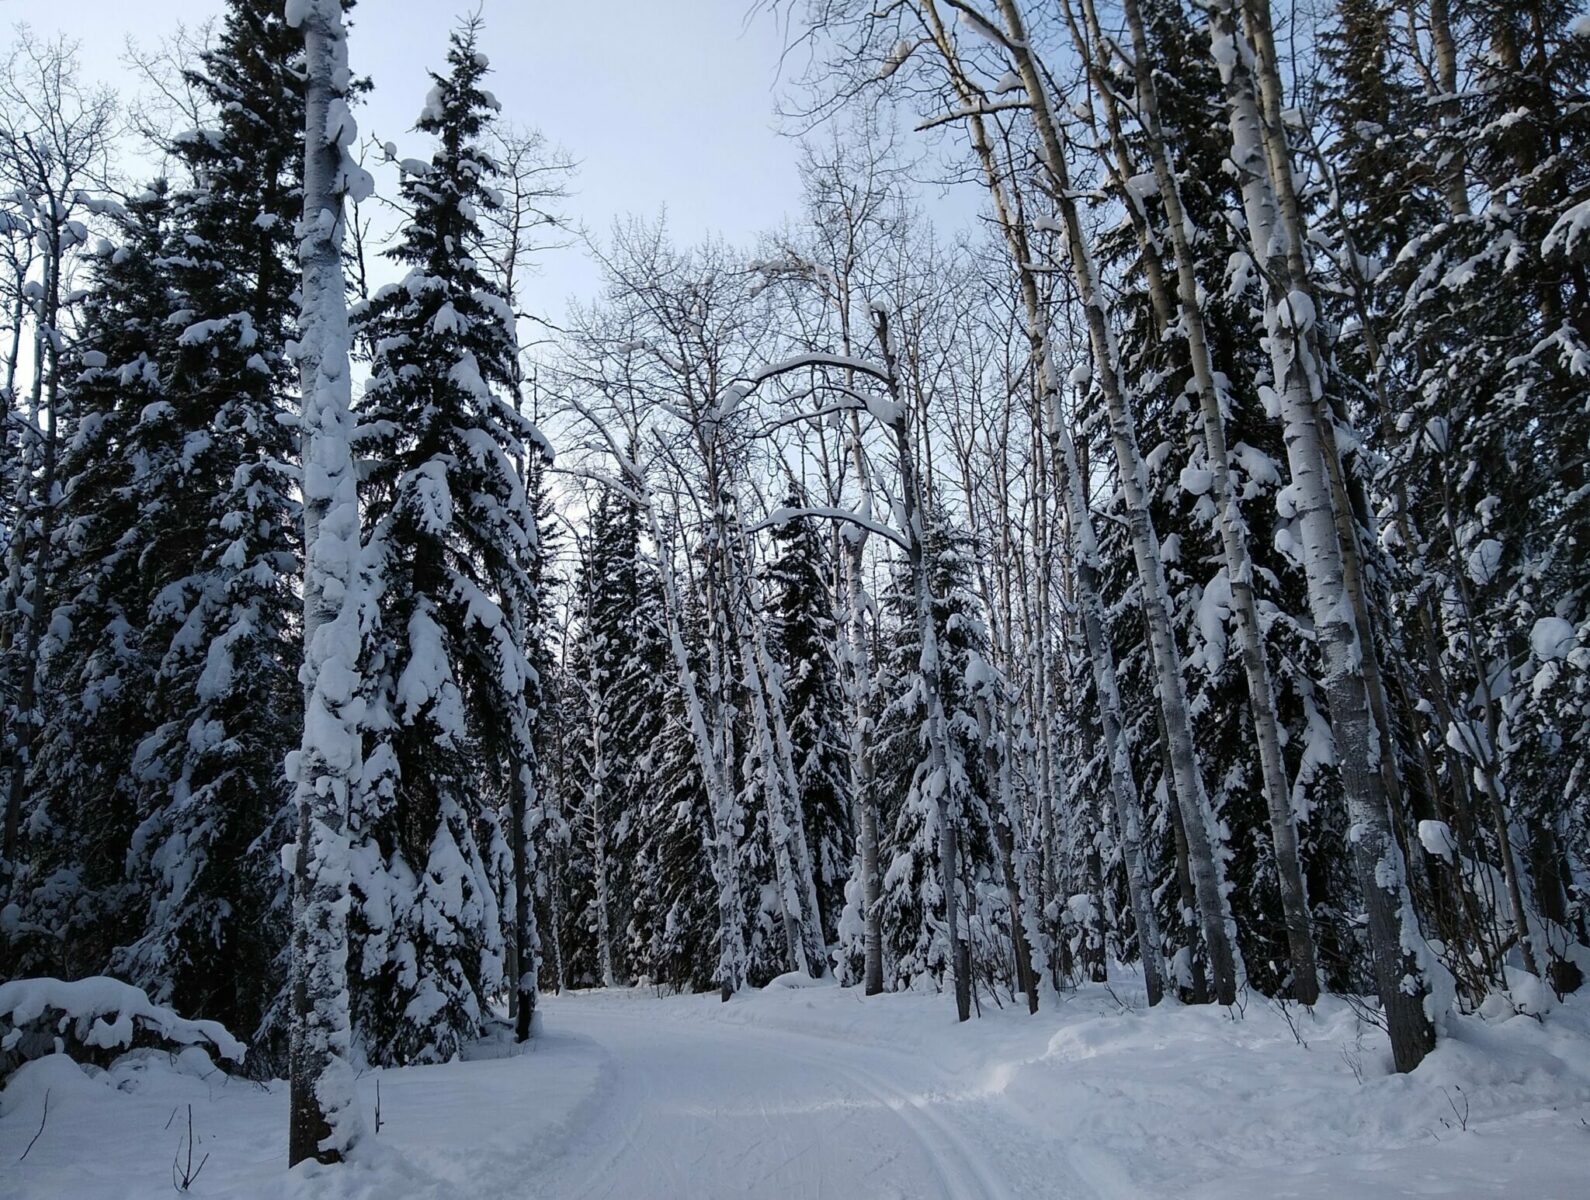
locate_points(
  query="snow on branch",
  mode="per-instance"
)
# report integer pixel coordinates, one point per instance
(819, 359)
(970, 110)
(783, 516)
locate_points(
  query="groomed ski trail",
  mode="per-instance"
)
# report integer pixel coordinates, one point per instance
(710, 1108)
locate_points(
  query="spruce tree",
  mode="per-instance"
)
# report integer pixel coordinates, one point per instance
(1486, 451)
(98, 671)
(915, 942)
(453, 529)
(806, 634)
(207, 505)
(227, 693)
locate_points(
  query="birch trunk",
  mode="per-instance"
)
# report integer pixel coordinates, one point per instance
(765, 682)
(1125, 800)
(863, 698)
(1275, 229)
(324, 1116)
(805, 952)
(1454, 176)
(862, 768)
(1232, 524)
(1204, 837)
(724, 820)
(1123, 786)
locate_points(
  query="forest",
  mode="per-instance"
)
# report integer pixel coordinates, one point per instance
(1174, 580)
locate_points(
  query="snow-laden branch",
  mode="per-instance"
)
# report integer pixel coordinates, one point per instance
(819, 358)
(783, 516)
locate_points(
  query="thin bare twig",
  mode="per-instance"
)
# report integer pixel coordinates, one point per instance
(42, 1120)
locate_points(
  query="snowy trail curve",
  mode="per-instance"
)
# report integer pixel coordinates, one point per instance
(819, 1093)
(710, 1109)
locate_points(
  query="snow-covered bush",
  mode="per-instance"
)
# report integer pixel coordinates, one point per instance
(94, 1020)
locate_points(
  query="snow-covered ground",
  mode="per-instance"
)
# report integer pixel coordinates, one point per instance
(820, 1092)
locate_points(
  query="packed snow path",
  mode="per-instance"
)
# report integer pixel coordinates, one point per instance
(768, 1112)
(806, 1093)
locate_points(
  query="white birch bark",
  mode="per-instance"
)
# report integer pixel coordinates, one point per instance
(1126, 803)
(1123, 785)
(777, 797)
(1204, 835)
(859, 681)
(324, 1118)
(1275, 231)
(765, 680)
(1232, 524)
(721, 806)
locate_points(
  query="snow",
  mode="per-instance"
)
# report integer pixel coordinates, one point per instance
(103, 1013)
(807, 1089)
(1552, 638)
(902, 51)
(1570, 227)
(1484, 560)
(1296, 312)
(1436, 838)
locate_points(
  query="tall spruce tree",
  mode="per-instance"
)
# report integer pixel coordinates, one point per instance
(227, 694)
(916, 947)
(203, 550)
(1486, 452)
(806, 633)
(98, 671)
(453, 528)
(603, 669)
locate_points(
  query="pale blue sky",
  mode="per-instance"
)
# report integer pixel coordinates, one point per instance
(662, 102)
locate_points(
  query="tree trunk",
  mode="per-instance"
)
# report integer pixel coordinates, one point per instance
(1204, 839)
(723, 823)
(1123, 791)
(1123, 786)
(862, 769)
(526, 940)
(804, 951)
(1275, 228)
(996, 767)
(763, 680)
(324, 1117)
(1233, 529)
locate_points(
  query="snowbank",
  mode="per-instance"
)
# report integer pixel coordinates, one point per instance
(465, 1128)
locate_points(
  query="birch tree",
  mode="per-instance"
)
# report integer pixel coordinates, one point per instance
(1274, 222)
(324, 1120)
(54, 134)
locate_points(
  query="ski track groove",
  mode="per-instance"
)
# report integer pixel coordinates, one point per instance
(962, 1170)
(1095, 1175)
